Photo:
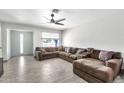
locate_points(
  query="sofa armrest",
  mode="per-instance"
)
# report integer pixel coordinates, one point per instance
(115, 64)
(38, 55)
(107, 74)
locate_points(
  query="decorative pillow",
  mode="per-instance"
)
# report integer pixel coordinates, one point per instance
(90, 50)
(43, 50)
(80, 51)
(73, 50)
(60, 48)
(67, 49)
(105, 55)
(84, 55)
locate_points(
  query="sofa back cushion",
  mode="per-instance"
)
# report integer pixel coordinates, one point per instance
(38, 49)
(95, 54)
(50, 49)
(90, 50)
(117, 55)
(105, 55)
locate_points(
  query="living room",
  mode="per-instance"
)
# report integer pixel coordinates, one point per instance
(94, 40)
(63, 46)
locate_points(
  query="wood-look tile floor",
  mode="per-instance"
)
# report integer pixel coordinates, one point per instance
(26, 69)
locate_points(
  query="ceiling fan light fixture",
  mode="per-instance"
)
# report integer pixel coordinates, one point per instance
(55, 10)
(52, 15)
(52, 20)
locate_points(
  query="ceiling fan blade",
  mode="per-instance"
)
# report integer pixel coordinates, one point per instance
(60, 20)
(59, 23)
(46, 18)
(45, 23)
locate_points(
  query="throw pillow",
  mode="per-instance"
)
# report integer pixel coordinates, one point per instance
(80, 51)
(105, 55)
(73, 50)
(67, 49)
(43, 50)
(90, 50)
(84, 55)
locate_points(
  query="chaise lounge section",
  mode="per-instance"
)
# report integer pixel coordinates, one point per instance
(90, 64)
(96, 69)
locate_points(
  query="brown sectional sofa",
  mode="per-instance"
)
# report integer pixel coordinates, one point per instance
(45, 53)
(51, 52)
(87, 64)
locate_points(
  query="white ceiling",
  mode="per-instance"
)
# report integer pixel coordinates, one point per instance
(34, 16)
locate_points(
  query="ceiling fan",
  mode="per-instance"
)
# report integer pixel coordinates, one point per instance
(52, 20)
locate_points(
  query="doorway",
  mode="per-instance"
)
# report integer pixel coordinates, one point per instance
(21, 43)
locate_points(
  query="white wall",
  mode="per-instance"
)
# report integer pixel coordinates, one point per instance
(0, 36)
(104, 32)
(8, 43)
(0, 43)
(36, 35)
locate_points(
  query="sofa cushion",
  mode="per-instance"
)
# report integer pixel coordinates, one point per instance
(73, 56)
(95, 68)
(49, 53)
(61, 52)
(80, 51)
(65, 54)
(90, 61)
(85, 63)
(90, 50)
(50, 49)
(117, 55)
(84, 55)
(105, 55)
(41, 49)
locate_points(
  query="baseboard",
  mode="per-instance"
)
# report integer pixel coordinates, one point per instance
(4, 61)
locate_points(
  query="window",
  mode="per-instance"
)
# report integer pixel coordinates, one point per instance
(21, 43)
(50, 39)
